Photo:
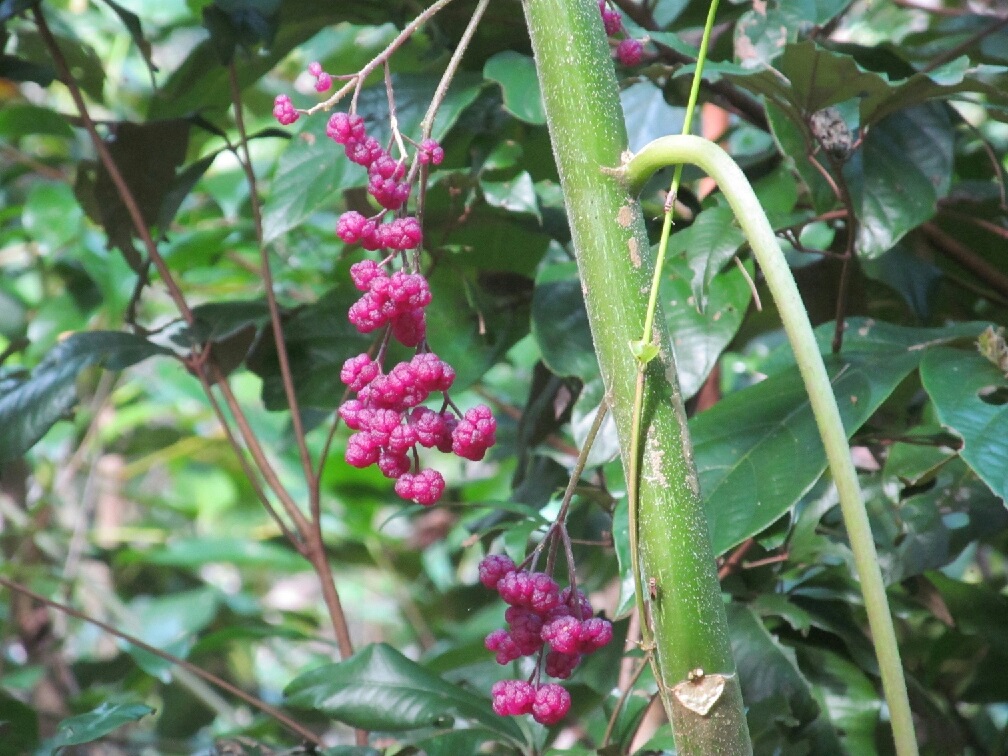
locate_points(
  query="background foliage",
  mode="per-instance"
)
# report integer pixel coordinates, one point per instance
(121, 496)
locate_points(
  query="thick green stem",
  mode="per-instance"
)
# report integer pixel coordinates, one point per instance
(751, 217)
(692, 656)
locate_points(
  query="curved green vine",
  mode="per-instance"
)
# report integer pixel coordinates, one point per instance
(735, 186)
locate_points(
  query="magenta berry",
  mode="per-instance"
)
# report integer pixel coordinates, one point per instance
(630, 52)
(475, 433)
(284, 111)
(393, 465)
(345, 129)
(424, 488)
(359, 371)
(552, 702)
(401, 234)
(563, 634)
(493, 568)
(512, 698)
(611, 18)
(594, 633)
(409, 329)
(560, 665)
(363, 151)
(362, 450)
(430, 152)
(353, 227)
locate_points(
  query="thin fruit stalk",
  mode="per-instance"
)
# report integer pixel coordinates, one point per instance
(684, 609)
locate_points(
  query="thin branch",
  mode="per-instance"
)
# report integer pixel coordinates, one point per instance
(622, 700)
(357, 79)
(128, 200)
(295, 538)
(267, 275)
(962, 47)
(251, 700)
(955, 249)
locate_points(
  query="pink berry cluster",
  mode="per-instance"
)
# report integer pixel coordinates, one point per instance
(284, 110)
(630, 51)
(387, 413)
(323, 81)
(539, 616)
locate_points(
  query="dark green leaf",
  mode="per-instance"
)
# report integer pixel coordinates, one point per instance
(32, 405)
(413, 93)
(964, 388)
(147, 156)
(700, 335)
(515, 195)
(473, 320)
(319, 340)
(560, 322)
(379, 688)
(19, 731)
(516, 75)
(897, 178)
(773, 685)
(86, 728)
(132, 23)
(758, 450)
(311, 174)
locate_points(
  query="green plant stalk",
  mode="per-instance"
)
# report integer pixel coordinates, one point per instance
(685, 609)
(694, 95)
(751, 217)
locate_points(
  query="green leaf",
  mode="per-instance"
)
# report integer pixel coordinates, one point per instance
(29, 406)
(779, 698)
(560, 322)
(758, 450)
(707, 244)
(413, 94)
(647, 114)
(170, 623)
(380, 689)
(18, 119)
(897, 178)
(196, 552)
(516, 75)
(965, 387)
(699, 336)
(311, 173)
(132, 23)
(97, 723)
(319, 340)
(19, 730)
(515, 195)
(473, 320)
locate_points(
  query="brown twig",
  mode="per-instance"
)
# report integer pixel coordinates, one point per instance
(962, 47)
(129, 202)
(251, 700)
(267, 276)
(355, 80)
(734, 559)
(955, 249)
